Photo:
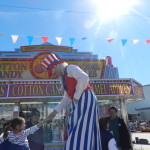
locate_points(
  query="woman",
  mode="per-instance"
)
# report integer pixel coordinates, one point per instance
(83, 123)
(107, 140)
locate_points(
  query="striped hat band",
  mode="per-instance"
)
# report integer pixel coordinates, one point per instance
(49, 61)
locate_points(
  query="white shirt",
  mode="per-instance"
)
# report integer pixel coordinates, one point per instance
(1, 139)
(112, 144)
(20, 138)
(82, 82)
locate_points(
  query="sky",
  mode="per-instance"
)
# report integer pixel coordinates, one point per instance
(78, 19)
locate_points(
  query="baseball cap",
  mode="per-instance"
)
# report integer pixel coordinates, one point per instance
(35, 112)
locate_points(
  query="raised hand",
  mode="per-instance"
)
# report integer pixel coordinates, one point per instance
(75, 100)
(52, 114)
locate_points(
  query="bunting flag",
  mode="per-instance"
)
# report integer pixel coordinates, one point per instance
(58, 39)
(84, 38)
(30, 39)
(72, 41)
(14, 38)
(124, 41)
(147, 41)
(110, 40)
(135, 41)
(45, 39)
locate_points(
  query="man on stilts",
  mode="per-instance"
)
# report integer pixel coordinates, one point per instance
(84, 133)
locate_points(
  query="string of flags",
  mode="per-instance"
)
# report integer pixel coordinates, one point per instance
(72, 40)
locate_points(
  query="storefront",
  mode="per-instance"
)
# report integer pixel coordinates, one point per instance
(22, 89)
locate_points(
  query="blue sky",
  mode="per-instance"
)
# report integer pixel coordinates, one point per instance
(77, 19)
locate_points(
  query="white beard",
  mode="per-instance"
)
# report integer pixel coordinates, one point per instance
(61, 82)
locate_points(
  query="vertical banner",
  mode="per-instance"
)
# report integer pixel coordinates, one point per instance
(58, 39)
(14, 38)
(30, 39)
(72, 41)
(45, 39)
(124, 41)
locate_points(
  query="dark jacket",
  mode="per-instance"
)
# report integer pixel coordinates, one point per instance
(124, 135)
(125, 139)
(36, 140)
(6, 145)
(106, 136)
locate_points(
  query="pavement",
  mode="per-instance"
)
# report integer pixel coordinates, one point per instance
(141, 135)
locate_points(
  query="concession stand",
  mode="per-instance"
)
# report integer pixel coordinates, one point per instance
(22, 89)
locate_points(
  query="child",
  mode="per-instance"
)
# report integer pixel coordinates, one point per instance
(17, 138)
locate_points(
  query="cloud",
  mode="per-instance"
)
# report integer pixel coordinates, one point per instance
(88, 24)
(3, 13)
(113, 34)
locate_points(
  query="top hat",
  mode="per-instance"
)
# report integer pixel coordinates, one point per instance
(49, 62)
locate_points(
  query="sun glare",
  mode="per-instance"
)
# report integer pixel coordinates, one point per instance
(107, 9)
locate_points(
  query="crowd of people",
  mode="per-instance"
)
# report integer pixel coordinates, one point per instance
(83, 127)
(18, 136)
(139, 125)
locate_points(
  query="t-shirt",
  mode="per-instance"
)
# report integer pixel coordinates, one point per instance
(114, 129)
(1, 139)
(21, 138)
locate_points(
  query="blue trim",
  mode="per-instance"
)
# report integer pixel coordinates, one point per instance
(64, 79)
(82, 120)
(72, 118)
(88, 121)
(52, 64)
(146, 108)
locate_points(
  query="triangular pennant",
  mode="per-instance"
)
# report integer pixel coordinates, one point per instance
(14, 38)
(124, 41)
(135, 41)
(147, 41)
(45, 39)
(58, 39)
(110, 40)
(72, 41)
(84, 38)
(30, 39)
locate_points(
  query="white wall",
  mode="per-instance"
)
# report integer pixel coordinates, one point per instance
(142, 104)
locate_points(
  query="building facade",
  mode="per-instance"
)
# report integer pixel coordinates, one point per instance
(141, 109)
(23, 89)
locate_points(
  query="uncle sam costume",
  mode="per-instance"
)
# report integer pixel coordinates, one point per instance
(84, 132)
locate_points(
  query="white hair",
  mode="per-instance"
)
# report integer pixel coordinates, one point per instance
(60, 67)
